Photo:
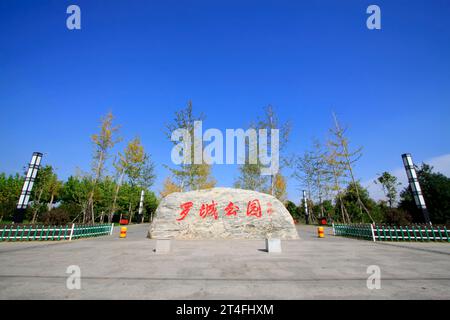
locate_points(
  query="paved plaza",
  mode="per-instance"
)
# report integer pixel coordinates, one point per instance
(308, 268)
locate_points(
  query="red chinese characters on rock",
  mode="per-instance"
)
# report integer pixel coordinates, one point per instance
(254, 208)
(231, 209)
(186, 207)
(209, 210)
(206, 209)
(269, 208)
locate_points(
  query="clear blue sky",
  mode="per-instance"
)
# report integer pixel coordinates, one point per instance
(145, 59)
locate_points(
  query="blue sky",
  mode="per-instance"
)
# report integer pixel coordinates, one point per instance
(145, 59)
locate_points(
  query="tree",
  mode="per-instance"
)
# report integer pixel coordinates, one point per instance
(302, 210)
(128, 199)
(57, 216)
(150, 205)
(203, 178)
(352, 197)
(326, 209)
(10, 188)
(322, 177)
(102, 142)
(250, 174)
(304, 171)
(169, 187)
(103, 197)
(46, 187)
(280, 187)
(389, 184)
(54, 187)
(394, 216)
(270, 121)
(75, 195)
(293, 210)
(345, 158)
(338, 176)
(436, 192)
(250, 178)
(136, 165)
(314, 175)
(189, 175)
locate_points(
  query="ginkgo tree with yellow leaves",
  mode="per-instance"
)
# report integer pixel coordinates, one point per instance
(134, 165)
(187, 176)
(103, 141)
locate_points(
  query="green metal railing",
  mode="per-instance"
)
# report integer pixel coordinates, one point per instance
(392, 233)
(362, 231)
(17, 232)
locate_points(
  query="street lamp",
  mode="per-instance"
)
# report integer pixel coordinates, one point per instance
(415, 186)
(305, 203)
(24, 198)
(141, 206)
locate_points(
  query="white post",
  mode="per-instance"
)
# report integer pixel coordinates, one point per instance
(71, 232)
(334, 232)
(112, 228)
(141, 203)
(305, 203)
(373, 232)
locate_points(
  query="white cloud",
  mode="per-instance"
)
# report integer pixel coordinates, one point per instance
(440, 164)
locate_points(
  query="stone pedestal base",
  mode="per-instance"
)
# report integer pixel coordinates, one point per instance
(162, 246)
(273, 245)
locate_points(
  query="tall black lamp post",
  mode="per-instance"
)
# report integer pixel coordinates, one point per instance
(305, 203)
(33, 168)
(415, 186)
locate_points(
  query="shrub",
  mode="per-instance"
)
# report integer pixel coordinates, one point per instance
(397, 217)
(293, 210)
(57, 216)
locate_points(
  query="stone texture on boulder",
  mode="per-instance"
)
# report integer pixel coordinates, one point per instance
(271, 221)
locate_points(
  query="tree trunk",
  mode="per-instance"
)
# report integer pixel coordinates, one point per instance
(92, 211)
(50, 203)
(91, 195)
(84, 214)
(130, 214)
(116, 194)
(35, 213)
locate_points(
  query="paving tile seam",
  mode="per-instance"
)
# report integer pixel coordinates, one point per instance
(224, 279)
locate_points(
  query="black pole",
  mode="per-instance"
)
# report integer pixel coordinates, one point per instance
(19, 215)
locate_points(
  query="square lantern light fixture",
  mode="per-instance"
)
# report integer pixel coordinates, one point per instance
(305, 204)
(415, 186)
(30, 177)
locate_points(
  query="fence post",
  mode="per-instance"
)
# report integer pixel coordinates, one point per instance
(373, 232)
(112, 228)
(334, 232)
(71, 232)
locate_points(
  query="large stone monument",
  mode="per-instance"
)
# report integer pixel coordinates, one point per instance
(222, 213)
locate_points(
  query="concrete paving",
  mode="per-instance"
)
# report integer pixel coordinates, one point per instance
(309, 268)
